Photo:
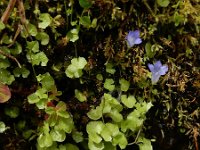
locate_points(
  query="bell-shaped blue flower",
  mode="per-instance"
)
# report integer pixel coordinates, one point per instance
(133, 38)
(157, 69)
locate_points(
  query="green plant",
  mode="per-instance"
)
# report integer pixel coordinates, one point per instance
(58, 121)
(12, 112)
(2, 127)
(101, 98)
(5, 93)
(80, 96)
(99, 132)
(57, 124)
(74, 70)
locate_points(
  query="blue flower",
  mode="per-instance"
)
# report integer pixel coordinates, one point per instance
(133, 38)
(157, 69)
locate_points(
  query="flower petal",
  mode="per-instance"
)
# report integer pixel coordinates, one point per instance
(133, 38)
(138, 41)
(163, 70)
(135, 33)
(155, 77)
(130, 42)
(151, 67)
(157, 65)
(130, 39)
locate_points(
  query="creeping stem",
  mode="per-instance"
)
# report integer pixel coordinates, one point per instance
(11, 57)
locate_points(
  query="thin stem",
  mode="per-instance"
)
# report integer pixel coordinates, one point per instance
(149, 8)
(11, 57)
(66, 14)
(76, 54)
(138, 134)
(32, 63)
(103, 108)
(71, 13)
(8, 10)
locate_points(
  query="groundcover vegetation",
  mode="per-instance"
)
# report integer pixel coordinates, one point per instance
(99, 74)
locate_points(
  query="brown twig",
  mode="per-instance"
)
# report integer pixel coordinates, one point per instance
(11, 57)
(19, 29)
(22, 15)
(21, 11)
(195, 135)
(8, 10)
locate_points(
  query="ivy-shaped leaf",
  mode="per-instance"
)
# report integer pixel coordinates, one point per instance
(58, 135)
(109, 131)
(128, 101)
(74, 70)
(109, 68)
(21, 72)
(144, 143)
(17, 49)
(33, 46)
(45, 20)
(6, 50)
(42, 103)
(6, 77)
(46, 80)
(77, 136)
(73, 35)
(79, 62)
(63, 114)
(50, 110)
(85, 3)
(21, 125)
(115, 115)
(4, 63)
(6, 39)
(106, 134)
(2, 127)
(80, 96)
(163, 3)
(52, 119)
(143, 107)
(45, 140)
(110, 103)
(43, 37)
(95, 146)
(65, 124)
(85, 21)
(120, 139)
(135, 119)
(94, 23)
(32, 29)
(109, 84)
(12, 112)
(38, 58)
(61, 106)
(99, 77)
(33, 98)
(96, 113)
(39, 95)
(124, 84)
(69, 146)
(27, 133)
(94, 129)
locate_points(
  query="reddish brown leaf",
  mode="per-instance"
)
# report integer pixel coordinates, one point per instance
(5, 93)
